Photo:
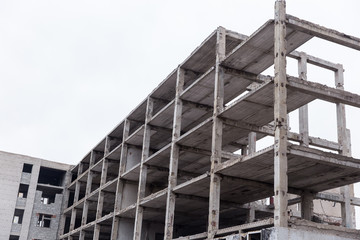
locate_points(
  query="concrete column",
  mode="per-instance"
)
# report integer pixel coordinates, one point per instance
(72, 219)
(143, 171)
(217, 129)
(344, 141)
(120, 183)
(303, 111)
(85, 212)
(100, 205)
(252, 142)
(96, 235)
(82, 235)
(280, 118)
(104, 171)
(307, 205)
(65, 203)
(174, 156)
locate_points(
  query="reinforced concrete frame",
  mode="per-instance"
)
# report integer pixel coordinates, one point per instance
(184, 165)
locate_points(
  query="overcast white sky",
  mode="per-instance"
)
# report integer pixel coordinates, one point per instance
(71, 70)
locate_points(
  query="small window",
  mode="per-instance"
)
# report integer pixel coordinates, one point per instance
(44, 220)
(23, 191)
(159, 236)
(27, 168)
(48, 197)
(13, 237)
(18, 216)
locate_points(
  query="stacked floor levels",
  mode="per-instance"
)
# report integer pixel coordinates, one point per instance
(31, 196)
(184, 165)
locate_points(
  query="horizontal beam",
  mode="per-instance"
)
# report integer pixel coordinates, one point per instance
(315, 141)
(315, 61)
(268, 130)
(197, 105)
(249, 76)
(236, 35)
(324, 157)
(322, 32)
(324, 92)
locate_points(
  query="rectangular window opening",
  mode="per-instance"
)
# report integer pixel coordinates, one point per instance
(27, 168)
(13, 237)
(23, 191)
(51, 176)
(18, 216)
(44, 220)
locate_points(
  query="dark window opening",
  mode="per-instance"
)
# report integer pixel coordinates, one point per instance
(27, 168)
(48, 194)
(71, 199)
(13, 237)
(51, 176)
(73, 177)
(23, 191)
(18, 216)
(159, 236)
(67, 225)
(44, 220)
(47, 198)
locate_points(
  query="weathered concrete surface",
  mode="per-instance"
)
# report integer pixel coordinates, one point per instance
(10, 178)
(303, 229)
(280, 233)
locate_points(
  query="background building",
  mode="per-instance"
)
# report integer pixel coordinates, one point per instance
(31, 196)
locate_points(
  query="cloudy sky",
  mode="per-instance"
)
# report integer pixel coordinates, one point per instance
(71, 70)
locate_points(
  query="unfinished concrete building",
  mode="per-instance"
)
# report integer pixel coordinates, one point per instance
(184, 163)
(31, 197)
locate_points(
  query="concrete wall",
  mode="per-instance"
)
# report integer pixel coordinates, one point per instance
(10, 178)
(53, 209)
(300, 234)
(9, 182)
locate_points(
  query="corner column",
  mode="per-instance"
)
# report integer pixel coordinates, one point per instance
(344, 141)
(280, 118)
(217, 130)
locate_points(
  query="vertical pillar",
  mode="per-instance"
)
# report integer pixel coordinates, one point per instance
(65, 203)
(143, 171)
(82, 235)
(303, 111)
(107, 145)
(85, 212)
(76, 198)
(217, 129)
(251, 214)
(280, 117)
(252, 149)
(120, 183)
(96, 235)
(104, 171)
(72, 219)
(100, 205)
(307, 206)
(99, 210)
(344, 141)
(174, 157)
(78, 184)
(252, 142)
